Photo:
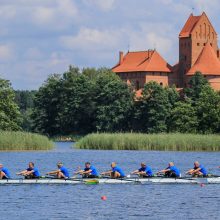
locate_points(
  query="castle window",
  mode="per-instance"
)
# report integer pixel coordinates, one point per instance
(211, 44)
(185, 58)
(160, 74)
(153, 73)
(200, 31)
(137, 85)
(161, 83)
(198, 44)
(204, 44)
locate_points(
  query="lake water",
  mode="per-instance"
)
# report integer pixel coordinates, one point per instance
(123, 201)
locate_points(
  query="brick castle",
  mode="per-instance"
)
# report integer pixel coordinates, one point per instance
(198, 51)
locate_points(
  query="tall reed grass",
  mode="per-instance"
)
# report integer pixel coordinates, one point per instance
(160, 142)
(18, 141)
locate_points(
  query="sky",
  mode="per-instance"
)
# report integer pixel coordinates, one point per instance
(42, 37)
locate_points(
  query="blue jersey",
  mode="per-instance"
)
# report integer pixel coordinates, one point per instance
(202, 169)
(6, 171)
(65, 171)
(93, 170)
(36, 171)
(119, 170)
(175, 170)
(146, 169)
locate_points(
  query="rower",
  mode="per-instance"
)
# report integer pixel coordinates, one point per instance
(115, 172)
(198, 170)
(144, 171)
(4, 172)
(170, 171)
(31, 172)
(61, 173)
(89, 171)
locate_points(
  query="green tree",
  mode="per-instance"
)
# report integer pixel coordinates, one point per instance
(183, 118)
(47, 116)
(25, 101)
(78, 103)
(10, 117)
(114, 102)
(154, 109)
(196, 84)
(208, 110)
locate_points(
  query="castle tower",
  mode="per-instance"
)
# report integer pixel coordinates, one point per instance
(196, 33)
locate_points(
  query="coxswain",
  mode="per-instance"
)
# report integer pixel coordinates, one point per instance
(170, 171)
(198, 170)
(89, 171)
(4, 172)
(61, 173)
(143, 171)
(115, 172)
(31, 172)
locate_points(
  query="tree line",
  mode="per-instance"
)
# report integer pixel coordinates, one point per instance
(97, 100)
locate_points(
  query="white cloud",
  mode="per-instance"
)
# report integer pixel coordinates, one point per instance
(7, 12)
(33, 53)
(57, 16)
(5, 52)
(210, 7)
(104, 5)
(92, 39)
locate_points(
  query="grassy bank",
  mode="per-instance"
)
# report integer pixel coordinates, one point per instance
(136, 141)
(23, 141)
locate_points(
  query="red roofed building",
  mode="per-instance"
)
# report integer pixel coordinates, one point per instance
(198, 51)
(138, 68)
(209, 65)
(195, 35)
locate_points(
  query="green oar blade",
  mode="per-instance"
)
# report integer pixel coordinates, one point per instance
(91, 182)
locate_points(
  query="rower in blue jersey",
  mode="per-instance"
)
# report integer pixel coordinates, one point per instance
(143, 171)
(198, 170)
(89, 171)
(170, 171)
(31, 172)
(115, 172)
(4, 172)
(61, 173)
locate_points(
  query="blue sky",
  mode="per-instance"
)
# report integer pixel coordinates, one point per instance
(41, 37)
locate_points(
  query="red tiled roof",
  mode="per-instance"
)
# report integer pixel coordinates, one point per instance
(207, 62)
(142, 61)
(189, 25)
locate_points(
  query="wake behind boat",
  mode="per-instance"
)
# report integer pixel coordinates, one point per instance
(135, 180)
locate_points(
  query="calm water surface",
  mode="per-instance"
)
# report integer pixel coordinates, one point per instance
(123, 201)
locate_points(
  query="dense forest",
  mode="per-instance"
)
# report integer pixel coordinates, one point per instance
(96, 100)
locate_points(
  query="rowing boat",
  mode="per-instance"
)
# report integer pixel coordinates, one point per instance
(152, 180)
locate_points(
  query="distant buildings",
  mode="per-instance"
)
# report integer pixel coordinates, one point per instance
(198, 51)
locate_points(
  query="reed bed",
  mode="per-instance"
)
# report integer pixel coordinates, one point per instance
(159, 142)
(19, 141)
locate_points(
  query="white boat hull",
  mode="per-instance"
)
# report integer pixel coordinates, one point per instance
(153, 180)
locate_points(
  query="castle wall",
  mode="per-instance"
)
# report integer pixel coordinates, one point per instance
(138, 79)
